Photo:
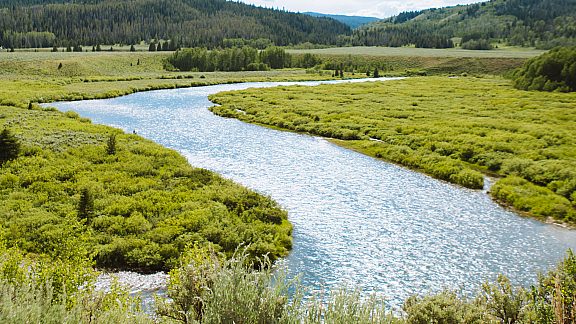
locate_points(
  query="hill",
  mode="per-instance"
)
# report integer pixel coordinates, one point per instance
(352, 21)
(531, 23)
(35, 23)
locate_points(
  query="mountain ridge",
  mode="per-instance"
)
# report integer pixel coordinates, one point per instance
(530, 23)
(205, 23)
(352, 21)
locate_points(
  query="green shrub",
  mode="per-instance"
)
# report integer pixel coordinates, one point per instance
(554, 70)
(9, 146)
(445, 307)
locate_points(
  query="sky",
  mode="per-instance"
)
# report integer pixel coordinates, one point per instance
(372, 8)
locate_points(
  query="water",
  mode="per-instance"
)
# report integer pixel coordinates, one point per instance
(357, 221)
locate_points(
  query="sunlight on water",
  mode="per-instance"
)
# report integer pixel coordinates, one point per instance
(357, 221)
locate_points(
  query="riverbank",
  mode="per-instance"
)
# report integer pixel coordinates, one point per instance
(116, 198)
(454, 129)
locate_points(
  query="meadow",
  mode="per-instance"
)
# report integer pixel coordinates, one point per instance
(80, 195)
(39, 77)
(456, 129)
(504, 52)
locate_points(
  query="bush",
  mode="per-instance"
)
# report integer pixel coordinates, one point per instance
(551, 71)
(9, 146)
(445, 307)
(477, 44)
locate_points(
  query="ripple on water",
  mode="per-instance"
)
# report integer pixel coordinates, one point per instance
(357, 221)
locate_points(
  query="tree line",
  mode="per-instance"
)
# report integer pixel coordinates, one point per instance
(191, 23)
(229, 59)
(552, 71)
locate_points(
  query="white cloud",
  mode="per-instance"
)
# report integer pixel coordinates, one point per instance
(375, 8)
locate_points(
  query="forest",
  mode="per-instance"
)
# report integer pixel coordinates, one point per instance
(187, 23)
(533, 23)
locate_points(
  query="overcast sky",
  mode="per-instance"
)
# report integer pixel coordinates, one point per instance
(373, 8)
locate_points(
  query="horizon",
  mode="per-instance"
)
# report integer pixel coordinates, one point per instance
(368, 8)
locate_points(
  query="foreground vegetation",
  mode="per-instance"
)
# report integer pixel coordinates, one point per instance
(455, 129)
(209, 288)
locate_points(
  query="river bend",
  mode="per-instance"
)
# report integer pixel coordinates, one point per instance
(358, 221)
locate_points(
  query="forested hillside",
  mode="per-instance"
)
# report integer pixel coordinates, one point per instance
(191, 23)
(539, 23)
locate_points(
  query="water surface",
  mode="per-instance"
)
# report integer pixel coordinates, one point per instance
(357, 221)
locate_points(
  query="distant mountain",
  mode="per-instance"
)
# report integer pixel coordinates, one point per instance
(34, 23)
(539, 23)
(352, 21)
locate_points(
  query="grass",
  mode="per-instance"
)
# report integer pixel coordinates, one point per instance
(37, 77)
(146, 203)
(455, 129)
(423, 52)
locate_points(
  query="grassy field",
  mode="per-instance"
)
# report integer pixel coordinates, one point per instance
(455, 129)
(135, 208)
(44, 76)
(422, 52)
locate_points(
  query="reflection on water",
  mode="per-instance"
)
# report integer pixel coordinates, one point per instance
(357, 221)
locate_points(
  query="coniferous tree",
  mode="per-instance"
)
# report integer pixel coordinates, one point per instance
(9, 146)
(132, 48)
(86, 205)
(98, 48)
(111, 145)
(152, 47)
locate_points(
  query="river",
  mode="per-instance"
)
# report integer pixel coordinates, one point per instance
(358, 222)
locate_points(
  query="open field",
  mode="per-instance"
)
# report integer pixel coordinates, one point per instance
(454, 129)
(423, 52)
(44, 76)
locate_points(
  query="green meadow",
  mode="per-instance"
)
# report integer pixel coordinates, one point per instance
(456, 129)
(79, 195)
(504, 52)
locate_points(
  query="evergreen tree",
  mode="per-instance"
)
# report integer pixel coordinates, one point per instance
(132, 48)
(9, 146)
(86, 205)
(152, 47)
(98, 48)
(376, 73)
(111, 145)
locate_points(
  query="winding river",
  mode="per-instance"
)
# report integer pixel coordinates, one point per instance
(358, 221)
